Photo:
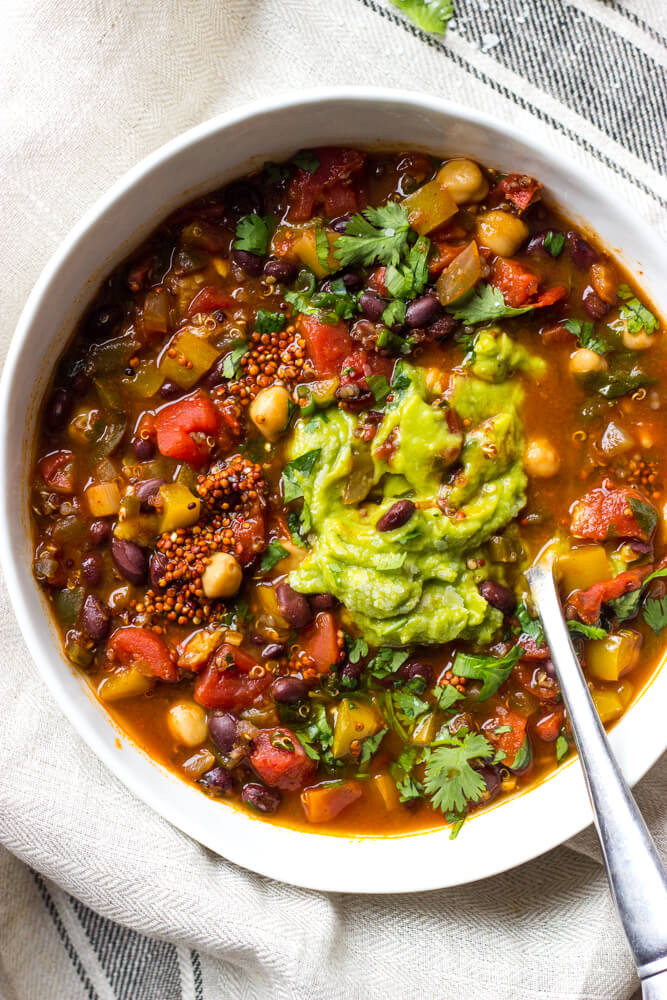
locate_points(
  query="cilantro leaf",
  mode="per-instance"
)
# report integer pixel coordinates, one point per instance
(408, 706)
(644, 514)
(322, 248)
(408, 789)
(317, 735)
(231, 366)
(272, 556)
(409, 280)
(655, 613)
(450, 780)
(429, 15)
(269, 322)
(294, 525)
(295, 472)
(483, 303)
(387, 662)
(490, 670)
(370, 745)
(334, 304)
(375, 234)
(306, 160)
(588, 631)
(562, 748)
(584, 332)
(554, 242)
(627, 605)
(355, 648)
(379, 387)
(400, 379)
(635, 315)
(532, 627)
(446, 696)
(253, 233)
(394, 313)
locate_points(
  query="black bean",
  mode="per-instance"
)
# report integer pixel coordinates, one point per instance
(81, 383)
(289, 689)
(217, 780)
(214, 376)
(339, 225)
(273, 651)
(251, 263)
(282, 270)
(58, 410)
(102, 322)
(261, 798)
(143, 448)
(100, 532)
(441, 329)
(352, 280)
(498, 596)
(294, 607)
(593, 304)
(582, 253)
(169, 390)
(323, 602)
(349, 675)
(92, 568)
(396, 516)
(157, 569)
(536, 243)
(130, 560)
(224, 730)
(492, 782)
(95, 618)
(422, 311)
(147, 490)
(372, 305)
(242, 198)
(413, 668)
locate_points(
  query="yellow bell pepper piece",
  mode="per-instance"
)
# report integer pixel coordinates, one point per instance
(425, 730)
(355, 720)
(387, 789)
(179, 507)
(580, 568)
(607, 659)
(429, 206)
(608, 705)
(127, 684)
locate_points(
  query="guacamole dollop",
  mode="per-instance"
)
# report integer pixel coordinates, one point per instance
(459, 460)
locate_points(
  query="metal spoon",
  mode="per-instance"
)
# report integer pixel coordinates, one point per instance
(637, 879)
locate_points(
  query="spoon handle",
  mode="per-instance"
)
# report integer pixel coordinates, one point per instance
(636, 876)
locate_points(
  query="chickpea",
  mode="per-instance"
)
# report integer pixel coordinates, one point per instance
(269, 411)
(605, 281)
(464, 180)
(541, 460)
(640, 341)
(222, 577)
(187, 723)
(501, 232)
(585, 362)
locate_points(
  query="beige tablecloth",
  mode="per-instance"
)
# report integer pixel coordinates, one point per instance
(99, 897)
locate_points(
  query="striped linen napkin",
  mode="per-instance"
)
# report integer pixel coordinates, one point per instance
(99, 897)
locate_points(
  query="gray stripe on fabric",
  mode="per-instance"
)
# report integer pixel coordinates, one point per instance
(583, 63)
(72, 953)
(639, 22)
(521, 102)
(197, 976)
(138, 967)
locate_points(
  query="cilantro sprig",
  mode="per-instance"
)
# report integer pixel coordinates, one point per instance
(450, 780)
(492, 671)
(482, 304)
(429, 15)
(253, 233)
(374, 235)
(635, 315)
(584, 331)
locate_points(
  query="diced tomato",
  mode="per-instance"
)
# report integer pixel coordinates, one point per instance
(280, 760)
(520, 189)
(557, 334)
(176, 423)
(445, 253)
(324, 802)
(551, 295)
(319, 641)
(336, 168)
(511, 738)
(365, 363)
(208, 299)
(588, 602)
(533, 650)
(226, 684)
(377, 280)
(532, 677)
(612, 512)
(144, 650)
(341, 199)
(328, 344)
(57, 471)
(515, 281)
(549, 725)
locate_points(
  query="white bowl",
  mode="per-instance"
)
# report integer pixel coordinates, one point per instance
(202, 159)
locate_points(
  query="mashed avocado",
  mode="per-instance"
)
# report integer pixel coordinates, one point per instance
(459, 461)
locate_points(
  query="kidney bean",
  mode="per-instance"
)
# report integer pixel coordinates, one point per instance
(492, 782)
(350, 673)
(593, 304)
(251, 263)
(100, 532)
(289, 689)
(293, 606)
(217, 780)
(130, 560)
(102, 322)
(91, 568)
(224, 730)
(281, 270)
(422, 311)
(147, 490)
(169, 390)
(242, 198)
(265, 800)
(582, 253)
(498, 596)
(143, 448)
(58, 410)
(396, 516)
(95, 618)
(273, 651)
(323, 602)
(441, 329)
(548, 667)
(157, 568)
(536, 243)
(81, 383)
(413, 668)
(372, 306)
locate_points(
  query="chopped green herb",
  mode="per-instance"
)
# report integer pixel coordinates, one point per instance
(588, 631)
(272, 556)
(370, 745)
(322, 248)
(429, 15)
(355, 648)
(583, 330)
(655, 613)
(253, 233)
(408, 789)
(446, 696)
(295, 472)
(294, 525)
(627, 606)
(645, 515)
(379, 387)
(269, 322)
(554, 243)
(450, 780)
(483, 303)
(490, 670)
(408, 706)
(532, 627)
(306, 160)
(387, 662)
(376, 234)
(333, 305)
(317, 736)
(394, 313)
(276, 173)
(562, 748)
(231, 366)
(635, 315)
(499, 730)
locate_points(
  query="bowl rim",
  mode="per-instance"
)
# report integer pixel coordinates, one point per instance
(637, 757)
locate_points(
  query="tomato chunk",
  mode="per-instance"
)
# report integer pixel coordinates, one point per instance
(57, 471)
(209, 299)
(280, 760)
(520, 189)
(613, 512)
(515, 281)
(320, 642)
(330, 183)
(176, 423)
(324, 802)
(506, 730)
(226, 682)
(143, 649)
(328, 344)
(551, 295)
(588, 602)
(533, 677)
